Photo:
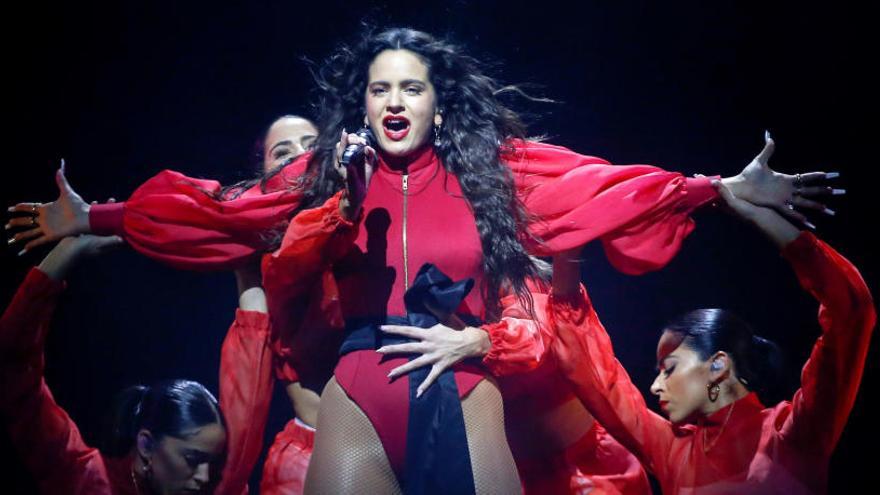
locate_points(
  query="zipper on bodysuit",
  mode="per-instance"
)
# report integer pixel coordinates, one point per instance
(405, 184)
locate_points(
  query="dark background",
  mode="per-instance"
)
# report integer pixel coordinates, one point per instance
(125, 89)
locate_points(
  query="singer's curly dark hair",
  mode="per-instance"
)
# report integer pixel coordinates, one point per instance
(476, 126)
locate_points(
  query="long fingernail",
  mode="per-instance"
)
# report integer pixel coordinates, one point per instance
(62, 164)
(838, 192)
(418, 393)
(380, 350)
(7, 226)
(809, 225)
(829, 212)
(767, 135)
(10, 241)
(832, 175)
(22, 252)
(10, 209)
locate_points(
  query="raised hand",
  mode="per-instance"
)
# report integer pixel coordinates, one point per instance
(46, 222)
(71, 250)
(786, 193)
(771, 223)
(357, 176)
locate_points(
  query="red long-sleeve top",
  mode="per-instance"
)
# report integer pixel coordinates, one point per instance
(641, 214)
(744, 447)
(48, 440)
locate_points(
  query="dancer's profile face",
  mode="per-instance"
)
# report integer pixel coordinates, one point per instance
(288, 137)
(400, 102)
(681, 380)
(188, 464)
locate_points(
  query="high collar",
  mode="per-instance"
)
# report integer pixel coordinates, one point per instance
(745, 406)
(421, 159)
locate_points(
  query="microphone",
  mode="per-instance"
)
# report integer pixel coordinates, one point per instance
(354, 153)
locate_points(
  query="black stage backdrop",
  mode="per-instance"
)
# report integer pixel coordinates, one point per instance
(125, 89)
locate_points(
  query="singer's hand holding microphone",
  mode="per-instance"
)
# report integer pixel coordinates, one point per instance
(354, 162)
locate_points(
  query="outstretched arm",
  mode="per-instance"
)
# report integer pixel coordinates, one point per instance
(831, 377)
(44, 435)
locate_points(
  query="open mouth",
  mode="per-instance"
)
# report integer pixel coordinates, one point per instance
(396, 127)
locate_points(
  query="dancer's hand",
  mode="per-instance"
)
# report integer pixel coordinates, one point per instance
(46, 222)
(357, 179)
(440, 347)
(771, 223)
(760, 185)
(71, 250)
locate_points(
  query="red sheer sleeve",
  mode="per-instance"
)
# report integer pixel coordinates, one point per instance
(298, 277)
(640, 212)
(45, 437)
(246, 382)
(183, 222)
(586, 359)
(831, 377)
(519, 342)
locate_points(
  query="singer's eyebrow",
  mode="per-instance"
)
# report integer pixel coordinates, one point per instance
(281, 143)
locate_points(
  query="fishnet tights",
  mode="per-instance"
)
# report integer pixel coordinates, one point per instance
(349, 458)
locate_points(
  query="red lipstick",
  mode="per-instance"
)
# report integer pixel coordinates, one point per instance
(396, 127)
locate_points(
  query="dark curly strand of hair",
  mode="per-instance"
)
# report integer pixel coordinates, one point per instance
(476, 126)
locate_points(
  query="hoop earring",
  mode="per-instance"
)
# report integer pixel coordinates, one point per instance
(713, 390)
(437, 141)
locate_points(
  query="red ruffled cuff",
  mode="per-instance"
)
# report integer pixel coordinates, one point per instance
(571, 308)
(700, 191)
(107, 219)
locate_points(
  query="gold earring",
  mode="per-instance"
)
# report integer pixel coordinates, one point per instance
(712, 390)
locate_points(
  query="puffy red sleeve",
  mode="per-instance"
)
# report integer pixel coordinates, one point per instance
(830, 379)
(586, 359)
(183, 221)
(640, 212)
(246, 382)
(43, 434)
(298, 276)
(519, 342)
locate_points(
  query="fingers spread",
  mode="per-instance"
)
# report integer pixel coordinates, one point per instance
(31, 208)
(406, 331)
(23, 236)
(410, 347)
(435, 372)
(418, 362)
(769, 146)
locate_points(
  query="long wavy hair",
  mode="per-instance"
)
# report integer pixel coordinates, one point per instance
(476, 126)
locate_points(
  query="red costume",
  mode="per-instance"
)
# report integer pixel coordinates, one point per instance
(411, 215)
(47, 439)
(284, 472)
(594, 463)
(744, 447)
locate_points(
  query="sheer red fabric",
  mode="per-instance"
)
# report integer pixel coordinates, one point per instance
(48, 440)
(751, 449)
(640, 212)
(284, 472)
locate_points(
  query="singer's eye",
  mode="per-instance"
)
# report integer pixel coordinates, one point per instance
(414, 90)
(378, 91)
(280, 153)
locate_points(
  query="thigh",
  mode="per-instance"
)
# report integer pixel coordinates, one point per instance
(348, 456)
(491, 460)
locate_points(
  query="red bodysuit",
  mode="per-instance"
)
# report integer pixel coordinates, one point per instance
(744, 447)
(640, 213)
(49, 442)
